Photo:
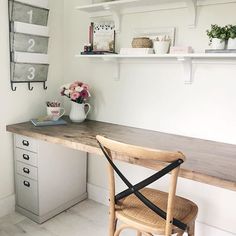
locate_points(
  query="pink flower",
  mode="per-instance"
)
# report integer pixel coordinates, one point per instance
(75, 95)
(85, 86)
(73, 86)
(84, 94)
(78, 83)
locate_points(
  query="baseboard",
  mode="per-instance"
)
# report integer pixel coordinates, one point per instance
(99, 194)
(7, 205)
(49, 215)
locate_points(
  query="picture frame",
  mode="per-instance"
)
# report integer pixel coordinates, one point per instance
(103, 36)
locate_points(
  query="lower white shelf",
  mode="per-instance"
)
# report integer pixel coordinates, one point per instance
(156, 56)
(185, 59)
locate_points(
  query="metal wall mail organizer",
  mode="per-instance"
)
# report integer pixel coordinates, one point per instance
(29, 39)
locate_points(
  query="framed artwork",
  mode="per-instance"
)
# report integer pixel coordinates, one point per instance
(153, 33)
(103, 38)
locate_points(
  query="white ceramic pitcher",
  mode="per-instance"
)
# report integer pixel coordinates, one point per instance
(77, 113)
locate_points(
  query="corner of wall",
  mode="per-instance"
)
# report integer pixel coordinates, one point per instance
(7, 205)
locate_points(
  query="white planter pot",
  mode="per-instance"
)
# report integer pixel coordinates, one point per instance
(231, 43)
(77, 113)
(217, 44)
(161, 47)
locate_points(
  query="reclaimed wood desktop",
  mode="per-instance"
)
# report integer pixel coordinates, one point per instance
(208, 162)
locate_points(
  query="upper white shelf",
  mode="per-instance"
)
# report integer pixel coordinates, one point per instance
(119, 7)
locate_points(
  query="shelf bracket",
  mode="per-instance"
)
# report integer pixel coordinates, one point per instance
(187, 66)
(115, 15)
(117, 19)
(116, 63)
(192, 8)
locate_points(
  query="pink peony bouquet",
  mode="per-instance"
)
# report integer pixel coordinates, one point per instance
(77, 91)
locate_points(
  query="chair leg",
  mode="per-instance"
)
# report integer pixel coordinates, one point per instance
(191, 229)
(112, 225)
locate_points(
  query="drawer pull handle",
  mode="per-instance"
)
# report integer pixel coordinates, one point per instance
(25, 143)
(27, 184)
(26, 170)
(26, 157)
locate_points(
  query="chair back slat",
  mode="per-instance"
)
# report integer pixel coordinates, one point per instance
(131, 153)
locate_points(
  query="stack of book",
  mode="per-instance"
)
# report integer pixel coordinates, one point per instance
(136, 51)
(220, 51)
(44, 121)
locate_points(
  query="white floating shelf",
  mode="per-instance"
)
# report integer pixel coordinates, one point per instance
(119, 7)
(184, 59)
(155, 56)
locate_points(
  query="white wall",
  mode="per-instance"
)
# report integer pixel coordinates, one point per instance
(152, 95)
(23, 104)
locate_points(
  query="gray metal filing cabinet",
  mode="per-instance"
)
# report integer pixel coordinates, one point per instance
(49, 178)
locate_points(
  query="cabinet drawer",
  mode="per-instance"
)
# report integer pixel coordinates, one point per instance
(26, 157)
(26, 143)
(26, 170)
(27, 194)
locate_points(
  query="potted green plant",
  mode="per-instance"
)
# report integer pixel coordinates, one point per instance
(217, 36)
(231, 34)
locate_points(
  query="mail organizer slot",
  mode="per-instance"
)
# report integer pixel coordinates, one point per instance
(29, 72)
(28, 14)
(29, 43)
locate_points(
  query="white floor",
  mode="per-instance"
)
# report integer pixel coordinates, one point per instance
(87, 218)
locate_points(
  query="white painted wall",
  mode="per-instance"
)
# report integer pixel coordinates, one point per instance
(23, 104)
(152, 95)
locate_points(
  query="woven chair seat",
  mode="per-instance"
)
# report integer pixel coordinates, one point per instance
(132, 211)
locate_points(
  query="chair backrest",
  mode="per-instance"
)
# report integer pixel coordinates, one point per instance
(146, 157)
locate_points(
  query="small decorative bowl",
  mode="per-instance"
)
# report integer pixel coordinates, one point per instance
(142, 42)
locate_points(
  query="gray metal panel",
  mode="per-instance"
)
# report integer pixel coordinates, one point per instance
(28, 72)
(29, 43)
(28, 14)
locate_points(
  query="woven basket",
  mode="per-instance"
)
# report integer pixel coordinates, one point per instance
(142, 42)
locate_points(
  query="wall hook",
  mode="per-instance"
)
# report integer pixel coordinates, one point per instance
(12, 87)
(29, 87)
(44, 86)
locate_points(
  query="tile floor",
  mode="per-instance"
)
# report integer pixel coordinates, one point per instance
(87, 218)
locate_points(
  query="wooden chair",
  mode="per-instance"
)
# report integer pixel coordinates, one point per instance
(146, 210)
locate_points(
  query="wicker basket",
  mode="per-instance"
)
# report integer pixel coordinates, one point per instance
(142, 42)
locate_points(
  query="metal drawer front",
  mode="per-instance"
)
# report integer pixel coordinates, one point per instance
(29, 43)
(26, 157)
(26, 170)
(26, 143)
(28, 14)
(29, 72)
(27, 194)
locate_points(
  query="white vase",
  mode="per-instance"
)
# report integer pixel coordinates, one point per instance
(217, 44)
(77, 112)
(231, 43)
(161, 47)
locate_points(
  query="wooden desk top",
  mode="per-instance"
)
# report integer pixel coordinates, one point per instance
(208, 162)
